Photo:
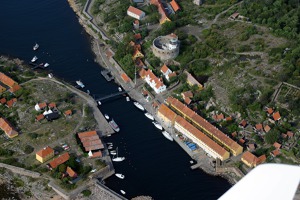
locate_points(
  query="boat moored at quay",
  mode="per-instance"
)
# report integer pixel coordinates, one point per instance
(114, 125)
(138, 105)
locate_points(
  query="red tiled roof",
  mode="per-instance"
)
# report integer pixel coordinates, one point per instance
(258, 127)
(276, 116)
(283, 135)
(174, 5)
(45, 152)
(137, 36)
(135, 10)
(97, 154)
(52, 105)
(71, 172)
(187, 94)
(203, 123)
(40, 117)
(243, 123)
(261, 159)
(270, 111)
(7, 80)
(290, 134)
(275, 153)
(158, 82)
(42, 105)
(11, 102)
(90, 140)
(15, 88)
(142, 73)
(241, 141)
(125, 78)
(201, 136)
(87, 134)
(249, 158)
(235, 15)
(267, 128)
(68, 112)
(3, 101)
(187, 100)
(164, 68)
(228, 118)
(173, 74)
(7, 128)
(166, 112)
(59, 160)
(277, 145)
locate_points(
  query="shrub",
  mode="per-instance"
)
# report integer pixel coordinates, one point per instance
(86, 193)
(28, 149)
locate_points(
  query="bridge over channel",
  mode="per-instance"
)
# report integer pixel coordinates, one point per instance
(111, 95)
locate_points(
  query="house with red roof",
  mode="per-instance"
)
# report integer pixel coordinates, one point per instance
(167, 72)
(243, 123)
(174, 5)
(267, 128)
(39, 117)
(276, 116)
(59, 160)
(187, 96)
(258, 127)
(154, 82)
(40, 106)
(251, 160)
(68, 113)
(44, 154)
(135, 13)
(8, 128)
(125, 78)
(277, 145)
(163, 15)
(2, 101)
(290, 134)
(52, 105)
(71, 172)
(11, 102)
(275, 153)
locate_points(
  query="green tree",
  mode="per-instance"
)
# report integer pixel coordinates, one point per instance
(62, 168)
(272, 136)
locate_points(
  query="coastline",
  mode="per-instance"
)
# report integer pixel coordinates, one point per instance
(134, 94)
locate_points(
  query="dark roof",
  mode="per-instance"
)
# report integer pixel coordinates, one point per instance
(52, 116)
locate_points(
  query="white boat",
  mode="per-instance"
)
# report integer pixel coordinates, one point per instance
(108, 135)
(79, 83)
(113, 153)
(139, 106)
(167, 135)
(120, 89)
(122, 191)
(118, 159)
(109, 143)
(157, 125)
(114, 125)
(50, 75)
(127, 99)
(149, 116)
(34, 59)
(99, 103)
(121, 176)
(36, 46)
(46, 65)
(110, 147)
(106, 116)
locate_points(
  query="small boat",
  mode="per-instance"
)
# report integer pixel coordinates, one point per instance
(127, 99)
(50, 75)
(192, 162)
(114, 125)
(88, 92)
(122, 191)
(139, 106)
(36, 46)
(118, 159)
(93, 170)
(109, 143)
(79, 83)
(167, 135)
(110, 147)
(46, 65)
(106, 116)
(149, 116)
(41, 64)
(34, 59)
(108, 135)
(121, 176)
(120, 89)
(113, 153)
(157, 125)
(99, 103)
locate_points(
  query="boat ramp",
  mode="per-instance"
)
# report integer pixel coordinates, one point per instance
(107, 75)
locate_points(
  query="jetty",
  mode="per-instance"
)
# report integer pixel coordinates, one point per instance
(107, 75)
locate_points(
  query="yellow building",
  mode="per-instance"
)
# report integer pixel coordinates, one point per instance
(166, 114)
(204, 142)
(207, 127)
(251, 160)
(192, 81)
(44, 154)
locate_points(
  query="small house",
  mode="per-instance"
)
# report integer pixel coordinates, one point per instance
(44, 154)
(11, 102)
(276, 116)
(40, 106)
(68, 112)
(71, 173)
(135, 13)
(243, 123)
(277, 145)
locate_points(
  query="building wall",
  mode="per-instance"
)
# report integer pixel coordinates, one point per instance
(139, 17)
(247, 163)
(164, 54)
(42, 160)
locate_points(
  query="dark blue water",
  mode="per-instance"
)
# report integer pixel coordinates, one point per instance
(153, 166)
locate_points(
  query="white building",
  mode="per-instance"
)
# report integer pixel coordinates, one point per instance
(167, 72)
(135, 13)
(155, 83)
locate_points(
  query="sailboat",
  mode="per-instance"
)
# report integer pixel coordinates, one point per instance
(118, 159)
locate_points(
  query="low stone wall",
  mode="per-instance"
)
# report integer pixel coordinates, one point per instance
(21, 171)
(100, 191)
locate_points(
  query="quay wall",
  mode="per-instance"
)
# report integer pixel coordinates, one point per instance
(21, 171)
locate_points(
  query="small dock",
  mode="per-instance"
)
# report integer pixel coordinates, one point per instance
(107, 75)
(35, 66)
(195, 166)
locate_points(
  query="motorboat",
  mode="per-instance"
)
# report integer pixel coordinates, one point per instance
(118, 159)
(139, 106)
(46, 65)
(88, 92)
(36, 46)
(157, 125)
(109, 143)
(127, 99)
(79, 83)
(106, 116)
(122, 191)
(167, 135)
(110, 147)
(113, 153)
(50, 75)
(114, 125)
(34, 59)
(120, 89)
(121, 176)
(148, 115)
(99, 103)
